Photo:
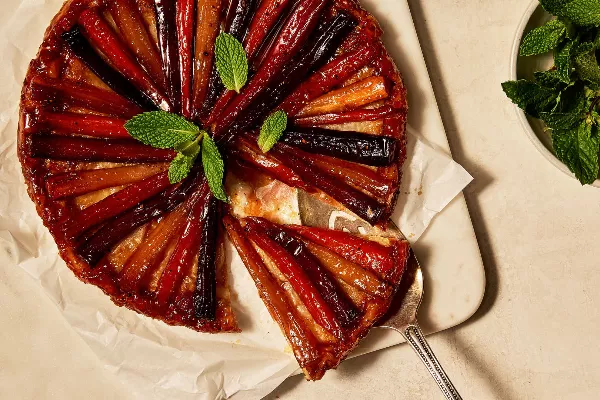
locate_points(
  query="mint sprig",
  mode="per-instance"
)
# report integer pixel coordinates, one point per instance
(164, 130)
(567, 96)
(231, 62)
(272, 130)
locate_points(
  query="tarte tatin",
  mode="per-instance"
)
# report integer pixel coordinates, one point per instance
(158, 248)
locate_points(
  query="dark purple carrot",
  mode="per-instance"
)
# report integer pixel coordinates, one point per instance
(58, 147)
(374, 150)
(96, 245)
(185, 34)
(343, 309)
(292, 37)
(205, 295)
(57, 93)
(80, 46)
(313, 57)
(356, 201)
(166, 25)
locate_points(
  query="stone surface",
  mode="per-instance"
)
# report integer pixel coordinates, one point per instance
(536, 334)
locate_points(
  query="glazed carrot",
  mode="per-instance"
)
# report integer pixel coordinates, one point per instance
(347, 98)
(167, 43)
(349, 272)
(186, 250)
(207, 29)
(115, 204)
(347, 116)
(93, 247)
(301, 339)
(293, 35)
(344, 310)
(58, 147)
(328, 77)
(205, 294)
(84, 124)
(80, 46)
(387, 262)
(357, 147)
(81, 182)
(185, 35)
(104, 38)
(56, 92)
(146, 256)
(134, 31)
(265, 18)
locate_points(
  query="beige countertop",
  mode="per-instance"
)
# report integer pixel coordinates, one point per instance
(534, 335)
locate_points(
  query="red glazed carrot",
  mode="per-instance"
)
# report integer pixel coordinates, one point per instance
(185, 35)
(85, 124)
(105, 39)
(347, 116)
(81, 182)
(166, 21)
(58, 147)
(50, 92)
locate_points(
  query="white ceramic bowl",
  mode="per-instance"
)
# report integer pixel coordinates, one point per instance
(523, 68)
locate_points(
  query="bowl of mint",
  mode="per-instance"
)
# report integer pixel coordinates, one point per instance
(555, 83)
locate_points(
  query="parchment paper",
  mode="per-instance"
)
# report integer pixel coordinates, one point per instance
(155, 360)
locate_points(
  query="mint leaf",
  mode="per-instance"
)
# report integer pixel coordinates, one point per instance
(553, 6)
(543, 39)
(190, 148)
(549, 79)
(272, 129)
(581, 12)
(578, 149)
(161, 129)
(562, 60)
(180, 168)
(561, 120)
(587, 67)
(231, 61)
(530, 96)
(214, 168)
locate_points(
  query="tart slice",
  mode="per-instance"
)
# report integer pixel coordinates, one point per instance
(324, 288)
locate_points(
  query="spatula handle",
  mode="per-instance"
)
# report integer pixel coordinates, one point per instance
(414, 336)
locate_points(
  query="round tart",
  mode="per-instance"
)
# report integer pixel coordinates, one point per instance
(158, 248)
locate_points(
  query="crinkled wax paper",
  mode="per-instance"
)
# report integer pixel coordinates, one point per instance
(155, 360)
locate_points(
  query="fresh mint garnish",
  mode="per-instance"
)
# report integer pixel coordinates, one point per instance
(164, 130)
(214, 168)
(272, 129)
(161, 129)
(543, 39)
(578, 149)
(567, 96)
(231, 61)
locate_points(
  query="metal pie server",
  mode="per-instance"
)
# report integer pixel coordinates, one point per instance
(404, 320)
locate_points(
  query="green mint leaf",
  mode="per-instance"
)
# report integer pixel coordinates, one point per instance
(549, 79)
(190, 148)
(563, 59)
(161, 129)
(587, 67)
(581, 12)
(214, 168)
(578, 149)
(530, 96)
(180, 168)
(561, 121)
(231, 60)
(543, 39)
(272, 129)
(553, 6)
(570, 109)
